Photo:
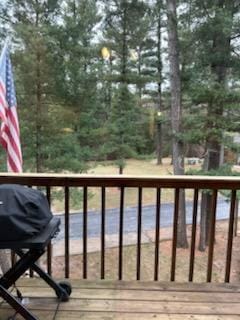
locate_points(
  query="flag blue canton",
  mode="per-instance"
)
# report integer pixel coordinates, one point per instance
(9, 84)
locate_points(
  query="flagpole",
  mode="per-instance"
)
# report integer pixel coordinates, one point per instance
(5, 254)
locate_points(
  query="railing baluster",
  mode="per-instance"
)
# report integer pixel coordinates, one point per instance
(157, 233)
(230, 236)
(193, 237)
(121, 233)
(85, 233)
(67, 236)
(48, 190)
(174, 238)
(31, 272)
(103, 233)
(212, 235)
(49, 249)
(236, 217)
(139, 234)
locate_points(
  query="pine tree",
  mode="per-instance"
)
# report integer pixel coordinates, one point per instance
(124, 36)
(176, 115)
(124, 133)
(211, 67)
(78, 70)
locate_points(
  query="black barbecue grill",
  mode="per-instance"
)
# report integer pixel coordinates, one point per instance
(26, 227)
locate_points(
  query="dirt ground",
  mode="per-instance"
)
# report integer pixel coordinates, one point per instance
(148, 256)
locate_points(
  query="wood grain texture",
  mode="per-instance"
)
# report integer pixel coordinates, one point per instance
(74, 180)
(122, 300)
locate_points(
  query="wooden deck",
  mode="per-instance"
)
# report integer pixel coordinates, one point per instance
(107, 300)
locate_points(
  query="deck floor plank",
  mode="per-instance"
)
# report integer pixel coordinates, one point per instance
(106, 316)
(144, 285)
(140, 295)
(116, 300)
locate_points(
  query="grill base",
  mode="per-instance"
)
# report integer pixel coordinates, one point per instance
(36, 248)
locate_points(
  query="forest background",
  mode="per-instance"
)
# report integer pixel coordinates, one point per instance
(104, 80)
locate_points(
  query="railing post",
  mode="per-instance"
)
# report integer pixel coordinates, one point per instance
(230, 236)
(139, 233)
(212, 236)
(103, 233)
(193, 237)
(174, 238)
(49, 249)
(66, 237)
(157, 233)
(121, 233)
(85, 196)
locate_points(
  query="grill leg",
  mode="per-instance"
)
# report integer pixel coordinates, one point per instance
(26, 261)
(61, 293)
(16, 305)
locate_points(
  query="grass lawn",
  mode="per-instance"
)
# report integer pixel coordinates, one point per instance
(133, 167)
(138, 168)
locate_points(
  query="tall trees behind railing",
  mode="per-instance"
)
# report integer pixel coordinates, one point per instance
(76, 106)
(71, 100)
(141, 259)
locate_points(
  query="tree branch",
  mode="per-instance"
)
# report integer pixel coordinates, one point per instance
(235, 37)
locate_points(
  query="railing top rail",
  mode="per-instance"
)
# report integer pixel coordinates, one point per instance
(74, 180)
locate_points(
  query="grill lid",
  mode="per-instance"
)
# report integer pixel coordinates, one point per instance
(24, 212)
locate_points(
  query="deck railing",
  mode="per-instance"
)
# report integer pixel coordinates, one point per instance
(122, 184)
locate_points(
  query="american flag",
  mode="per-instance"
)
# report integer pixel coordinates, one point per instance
(9, 131)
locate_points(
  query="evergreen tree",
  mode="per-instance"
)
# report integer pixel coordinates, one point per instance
(77, 73)
(124, 36)
(124, 134)
(208, 73)
(31, 21)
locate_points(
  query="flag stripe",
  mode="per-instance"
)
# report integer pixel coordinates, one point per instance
(2, 116)
(3, 105)
(12, 116)
(8, 136)
(9, 144)
(11, 154)
(13, 164)
(2, 87)
(3, 101)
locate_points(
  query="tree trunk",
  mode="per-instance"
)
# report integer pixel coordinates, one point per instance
(159, 67)
(175, 84)
(38, 116)
(110, 83)
(205, 213)
(220, 48)
(124, 47)
(159, 143)
(38, 105)
(139, 68)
